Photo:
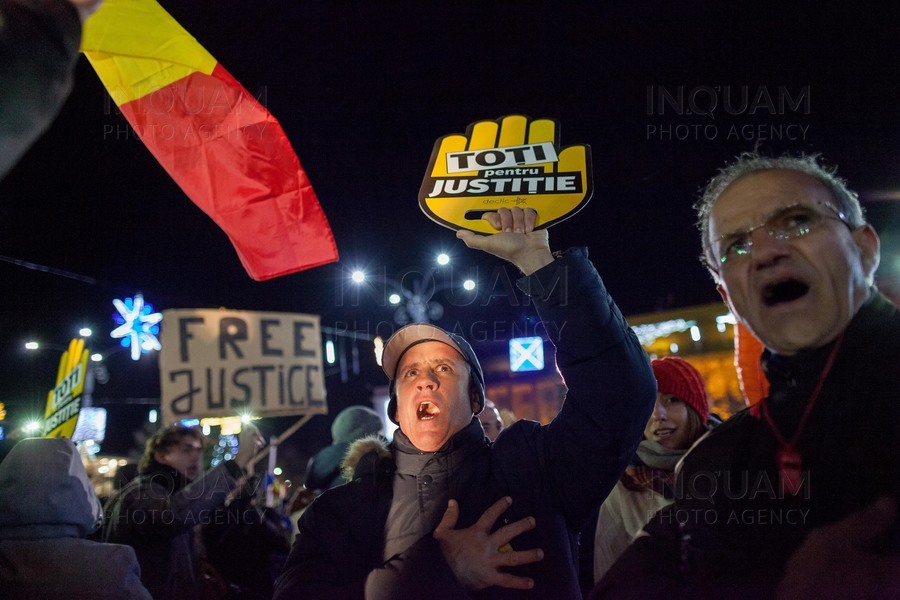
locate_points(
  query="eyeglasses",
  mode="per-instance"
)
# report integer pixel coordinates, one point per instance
(786, 223)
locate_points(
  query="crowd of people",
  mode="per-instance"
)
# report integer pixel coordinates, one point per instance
(794, 497)
(779, 500)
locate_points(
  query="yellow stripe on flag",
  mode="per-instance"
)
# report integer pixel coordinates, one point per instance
(222, 147)
(137, 48)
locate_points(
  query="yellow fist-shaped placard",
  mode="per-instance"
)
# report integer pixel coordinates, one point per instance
(501, 164)
(64, 400)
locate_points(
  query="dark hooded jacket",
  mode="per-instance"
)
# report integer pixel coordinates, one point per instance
(351, 424)
(156, 514)
(557, 473)
(47, 508)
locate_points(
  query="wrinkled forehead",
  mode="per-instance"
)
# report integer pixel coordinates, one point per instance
(748, 201)
(428, 353)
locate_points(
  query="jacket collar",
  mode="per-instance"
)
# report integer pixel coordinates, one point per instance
(160, 470)
(801, 371)
(411, 460)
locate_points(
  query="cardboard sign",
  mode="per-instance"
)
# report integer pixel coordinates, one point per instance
(218, 363)
(64, 400)
(501, 164)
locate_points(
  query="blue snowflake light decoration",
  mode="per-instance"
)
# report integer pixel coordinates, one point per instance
(138, 325)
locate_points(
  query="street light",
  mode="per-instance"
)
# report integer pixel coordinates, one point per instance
(96, 373)
(36, 345)
(100, 372)
(83, 331)
(413, 296)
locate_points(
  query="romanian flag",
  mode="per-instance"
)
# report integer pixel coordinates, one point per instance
(222, 147)
(747, 352)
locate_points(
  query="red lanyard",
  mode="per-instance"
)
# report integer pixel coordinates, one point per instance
(789, 460)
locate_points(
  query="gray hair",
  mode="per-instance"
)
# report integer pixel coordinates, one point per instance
(751, 162)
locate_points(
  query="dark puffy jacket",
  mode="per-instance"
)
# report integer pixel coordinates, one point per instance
(557, 473)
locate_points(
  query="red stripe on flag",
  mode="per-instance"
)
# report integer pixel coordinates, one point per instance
(233, 160)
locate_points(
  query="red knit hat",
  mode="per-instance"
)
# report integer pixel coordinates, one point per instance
(678, 377)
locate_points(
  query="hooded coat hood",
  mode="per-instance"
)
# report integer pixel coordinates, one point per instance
(45, 492)
(355, 422)
(352, 423)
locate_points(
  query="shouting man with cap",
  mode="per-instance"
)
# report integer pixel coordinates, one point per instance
(442, 513)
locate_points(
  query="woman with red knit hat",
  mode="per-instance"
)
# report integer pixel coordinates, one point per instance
(680, 417)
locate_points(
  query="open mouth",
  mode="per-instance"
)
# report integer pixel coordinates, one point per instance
(427, 411)
(784, 291)
(662, 433)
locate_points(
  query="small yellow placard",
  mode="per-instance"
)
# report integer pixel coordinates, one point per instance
(512, 161)
(64, 400)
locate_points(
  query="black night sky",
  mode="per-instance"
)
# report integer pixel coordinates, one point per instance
(364, 89)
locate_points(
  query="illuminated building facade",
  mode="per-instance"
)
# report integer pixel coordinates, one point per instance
(702, 335)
